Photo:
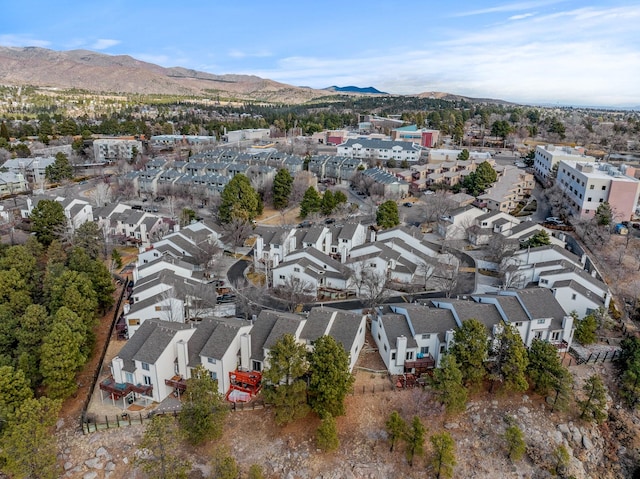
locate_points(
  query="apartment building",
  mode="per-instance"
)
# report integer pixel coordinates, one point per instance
(587, 185)
(548, 156)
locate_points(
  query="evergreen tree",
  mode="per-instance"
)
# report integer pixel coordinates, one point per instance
(61, 358)
(328, 203)
(414, 439)
(311, 202)
(447, 382)
(396, 429)
(223, 465)
(516, 447)
(47, 221)
(541, 238)
(160, 441)
(255, 472)
(239, 200)
(387, 215)
(510, 361)
(287, 391)
(327, 434)
(604, 214)
(339, 198)
(116, 257)
(463, 155)
(90, 238)
(547, 374)
(35, 324)
(28, 445)
(561, 459)
(14, 391)
(282, 184)
(593, 407)
(203, 409)
(330, 379)
(470, 348)
(443, 459)
(60, 170)
(4, 132)
(629, 367)
(586, 328)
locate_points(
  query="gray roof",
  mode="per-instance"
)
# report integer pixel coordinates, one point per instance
(540, 303)
(395, 325)
(578, 288)
(344, 328)
(149, 342)
(263, 327)
(212, 338)
(464, 309)
(380, 144)
(427, 320)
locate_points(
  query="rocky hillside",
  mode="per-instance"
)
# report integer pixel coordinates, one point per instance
(87, 70)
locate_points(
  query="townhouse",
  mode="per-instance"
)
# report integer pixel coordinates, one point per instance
(380, 150)
(512, 186)
(158, 360)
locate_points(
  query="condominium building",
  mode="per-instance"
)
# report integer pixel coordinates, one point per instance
(586, 185)
(547, 156)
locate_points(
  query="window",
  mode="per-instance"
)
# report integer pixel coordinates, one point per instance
(591, 187)
(128, 377)
(134, 322)
(442, 348)
(541, 321)
(385, 348)
(145, 366)
(589, 199)
(297, 270)
(379, 337)
(256, 366)
(518, 325)
(393, 356)
(555, 336)
(573, 296)
(424, 349)
(211, 360)
(604, 187)
(146, 380)
(282, 276)
(538, 335)
(213, 375)
(409, 355)
(426, 336)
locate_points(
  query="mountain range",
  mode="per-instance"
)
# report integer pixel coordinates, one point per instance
(101, 73)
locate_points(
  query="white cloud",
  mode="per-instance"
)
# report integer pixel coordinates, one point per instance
(508, 7)
(234, 53)
(104, 43)
(586, 56)
(521, 17)
(12, 40)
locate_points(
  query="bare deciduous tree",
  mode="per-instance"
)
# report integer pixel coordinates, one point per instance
(437, 205)
(295, 291)
(101, 194)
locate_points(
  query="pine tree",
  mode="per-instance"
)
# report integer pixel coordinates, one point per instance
(255, 472)
(561, 458)
(396, 429)
(447, 382)
(47, 221)
(330, 379)
(444, 459)
(287, 391)
(28, 445)
(328, 203)
(161, 442)
(203, 409)
(61, 358)
(414, 439)
(311, 202)
(282, 184)
(593, 407)
(470, 348)
(387, 215)
(586, 328)
(510, 361)
(516, 447)
(239, 200)
(327, 434)
(546, 372)
(223, 465)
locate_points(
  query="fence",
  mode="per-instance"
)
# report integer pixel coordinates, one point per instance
(594, 357)
(103, 353)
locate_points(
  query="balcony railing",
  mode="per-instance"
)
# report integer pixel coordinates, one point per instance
(119, 390)
(420, 364)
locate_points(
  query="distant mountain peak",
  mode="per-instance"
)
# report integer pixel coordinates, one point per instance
(355, 89)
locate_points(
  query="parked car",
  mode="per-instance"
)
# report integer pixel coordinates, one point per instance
(408, 204)
(226, 298)
(159, 199)
(305, 224)
(329, 221)
(554, 220)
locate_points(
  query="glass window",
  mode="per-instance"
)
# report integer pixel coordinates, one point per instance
(211, 360)
(146, 380)
(145, 366)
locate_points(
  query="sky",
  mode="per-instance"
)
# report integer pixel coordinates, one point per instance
(544, 52)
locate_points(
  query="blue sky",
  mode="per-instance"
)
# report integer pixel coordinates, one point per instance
(561, 52)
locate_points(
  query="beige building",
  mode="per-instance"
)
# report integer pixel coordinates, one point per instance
(512, 186)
